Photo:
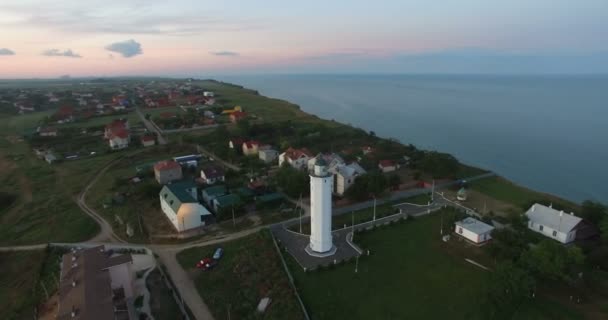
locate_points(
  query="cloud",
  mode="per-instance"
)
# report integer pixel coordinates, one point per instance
(58, 53)
(225, 53)
(127, 49)
(6, 52)
(144, 18)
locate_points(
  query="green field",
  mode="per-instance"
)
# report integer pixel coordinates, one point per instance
(410, 274)
(250, 270)
(18, 279)
(504, 190)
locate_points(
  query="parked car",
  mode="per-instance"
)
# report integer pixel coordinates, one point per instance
(201, 264)
(219, 252)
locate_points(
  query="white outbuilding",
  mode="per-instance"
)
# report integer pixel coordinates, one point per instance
(474, 230)
(552, 223)
(179, 202)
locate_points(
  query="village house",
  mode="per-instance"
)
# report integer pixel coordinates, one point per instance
(296, 158)
(148, 140)
(95, 284)
(50, 157)
(115, 125)
(268, 155)
(233, 110)
(250, 148)
(553, 223)
(225, 202)
(167, 171)
(179, 202)
(474, 230)
(47, 132)
(237, 116)
(119, 139)
(345, 176)
(208, 94)
(213, 192)
(388, 166)
(333, 161)
(212, 174)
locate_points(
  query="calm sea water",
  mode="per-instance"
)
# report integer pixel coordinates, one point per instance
(547, 133)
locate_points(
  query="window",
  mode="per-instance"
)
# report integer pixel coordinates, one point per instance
(540, 228)
(460, 230)
(555, 233)
(171, 202)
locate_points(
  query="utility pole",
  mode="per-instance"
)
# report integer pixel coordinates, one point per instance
(441, 227)
(353, 228)
(357, 264)
(301, 211)
(233, 220)
(433, 192)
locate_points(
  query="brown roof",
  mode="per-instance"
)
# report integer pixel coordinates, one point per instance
(166, 165)
(213, 172)
(387, 163)
(295, 154)
(85, 284)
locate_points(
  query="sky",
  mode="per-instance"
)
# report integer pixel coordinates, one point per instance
(199, 37)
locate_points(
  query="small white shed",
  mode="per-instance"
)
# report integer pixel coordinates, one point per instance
(474, 230)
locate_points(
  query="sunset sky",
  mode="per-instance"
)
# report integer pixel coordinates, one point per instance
(193, 38)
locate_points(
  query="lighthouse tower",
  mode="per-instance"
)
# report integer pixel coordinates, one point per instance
(321, 185)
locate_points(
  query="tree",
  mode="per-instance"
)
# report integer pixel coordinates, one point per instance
(293, 182)
(371, 184)
(508, 288)
(593, 212)
(550, 260)
(394, 181)
(604, 229)
(438, 164)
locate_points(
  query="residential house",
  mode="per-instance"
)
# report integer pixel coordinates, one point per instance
(474, 230)
(388, 166)
(213, 192)
(115, 125)
(208, 94)
(296, 158)
(190, 160)
(345, 176)
(212, 174)
(333, 161)
(50, 157)
(268, 155)
(225, 202)
(119, 139)
(95, 284)
(148, 140)
(237, 116)
(233, 110)
(367, 150)
(167, 171)
(553, 223)
(250, 148)
(47, 132)
(179, 202)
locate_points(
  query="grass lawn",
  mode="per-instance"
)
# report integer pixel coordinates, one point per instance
(410, 274)
(18, 279)
(250, 270)
(504, 190)
(102, 120)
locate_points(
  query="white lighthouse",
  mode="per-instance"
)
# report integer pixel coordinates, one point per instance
(321, 185)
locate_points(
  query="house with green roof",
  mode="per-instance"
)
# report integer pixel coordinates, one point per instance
(213, 192)
(224, 204)
(179, 202)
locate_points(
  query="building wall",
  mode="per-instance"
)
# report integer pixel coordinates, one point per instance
(472, 236)
(548, 232)
(119, 143)
(122, 276)
(320, 213)
(342, 184)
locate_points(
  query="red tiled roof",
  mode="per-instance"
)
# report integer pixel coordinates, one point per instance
(117, 124)
(295, 154)
(166, 165)
(250, 144)
(387, 163)
(120, 133)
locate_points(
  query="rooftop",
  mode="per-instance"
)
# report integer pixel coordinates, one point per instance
(474, 225)
(552, 218)
(166, 165)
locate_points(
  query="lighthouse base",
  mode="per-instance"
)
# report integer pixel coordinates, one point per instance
(325, 254)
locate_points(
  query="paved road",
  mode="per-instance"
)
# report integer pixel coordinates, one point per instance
(151, 127)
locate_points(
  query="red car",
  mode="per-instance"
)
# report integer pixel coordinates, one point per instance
(206, 264)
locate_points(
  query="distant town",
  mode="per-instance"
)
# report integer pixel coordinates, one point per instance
(151, 198)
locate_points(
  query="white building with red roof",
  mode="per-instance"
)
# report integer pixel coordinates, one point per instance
(297, 158)
(250, 148)
(167, 171)
(388, 166)
(117, 134)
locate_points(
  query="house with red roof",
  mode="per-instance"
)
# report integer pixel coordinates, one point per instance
(297, 158)
(237, 116)
(117, 134)
(250, 148)
(388, 166)
(148, 140)
(212, 174)
(64, 114)
(167, 171)
(234, 143)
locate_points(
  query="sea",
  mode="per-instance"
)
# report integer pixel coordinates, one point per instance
(548, 133)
